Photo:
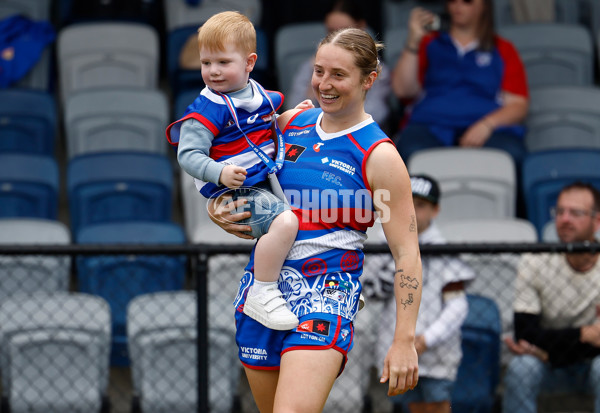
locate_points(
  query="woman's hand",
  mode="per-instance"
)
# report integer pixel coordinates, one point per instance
(219, 211)
(400, 368)
(418, 20)
(477, 134)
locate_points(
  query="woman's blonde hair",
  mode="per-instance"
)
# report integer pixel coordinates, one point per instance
(228, 27)
(362, 46)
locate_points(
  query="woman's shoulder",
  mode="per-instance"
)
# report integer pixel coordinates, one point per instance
(505, 46)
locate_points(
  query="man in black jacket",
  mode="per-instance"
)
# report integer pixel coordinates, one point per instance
(557, 311)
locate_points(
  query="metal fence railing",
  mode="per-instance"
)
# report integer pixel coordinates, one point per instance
(130, 328)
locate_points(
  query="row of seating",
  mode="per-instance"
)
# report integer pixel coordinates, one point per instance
(54, 353)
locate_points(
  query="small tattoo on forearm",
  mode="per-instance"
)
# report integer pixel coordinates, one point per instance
(408, 282)
(413, 224)
(407, 302)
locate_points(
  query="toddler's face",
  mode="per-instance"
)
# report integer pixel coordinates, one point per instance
(225, 71)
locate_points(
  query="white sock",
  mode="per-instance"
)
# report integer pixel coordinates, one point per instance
(258, 286)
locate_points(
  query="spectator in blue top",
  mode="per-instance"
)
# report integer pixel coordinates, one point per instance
(466, 85)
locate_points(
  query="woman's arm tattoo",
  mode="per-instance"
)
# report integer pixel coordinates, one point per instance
(413, 224)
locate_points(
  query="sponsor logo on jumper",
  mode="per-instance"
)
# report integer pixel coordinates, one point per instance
(293, 152)
(252, 119)
(254, 353)
(298, 133)
(317, 146)
(314, 326)
(229, 123)
(342, 166)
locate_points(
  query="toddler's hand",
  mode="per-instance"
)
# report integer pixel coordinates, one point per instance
(305, 104)
(233, 176)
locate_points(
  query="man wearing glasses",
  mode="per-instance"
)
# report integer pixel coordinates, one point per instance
(557, 312)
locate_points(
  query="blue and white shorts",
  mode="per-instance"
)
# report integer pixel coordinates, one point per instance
(260, 348)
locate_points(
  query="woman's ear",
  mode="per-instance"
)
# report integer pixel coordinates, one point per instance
(251, 61)
(369, 80)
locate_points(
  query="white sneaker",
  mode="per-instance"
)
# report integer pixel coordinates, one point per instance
(269, 308)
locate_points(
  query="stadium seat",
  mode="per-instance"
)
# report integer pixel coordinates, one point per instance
(33, 9)
(54, 352)
(395, 41)
(163, 349)
(107, 54)
(545, 173)
(121, 119)
(21, 274)
(475, 182)
(479, 371)
(489, 230)
(28, 120)
(553, 53)
(29, 186)
(395, 13)
(119, 278)
(565, 11)
(294, 43)
(119, 186)
(563, 117)
(198, 226)
(179, 13)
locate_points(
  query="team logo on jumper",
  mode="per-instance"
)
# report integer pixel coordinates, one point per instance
(314, 326)
(293, 152)
(229, 123)
(483, 59)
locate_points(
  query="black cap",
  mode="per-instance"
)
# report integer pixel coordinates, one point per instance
(425, 187)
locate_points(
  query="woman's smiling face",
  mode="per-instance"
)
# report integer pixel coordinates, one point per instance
(336, 80)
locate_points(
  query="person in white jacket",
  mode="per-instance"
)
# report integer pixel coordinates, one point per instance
(443, 309)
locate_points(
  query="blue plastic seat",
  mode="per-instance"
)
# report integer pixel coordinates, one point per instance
(27, 121)
(545, 173)
(29, 186)
(119, 278)
(479, 371)
(119, 186)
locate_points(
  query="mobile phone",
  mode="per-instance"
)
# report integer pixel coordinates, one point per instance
(434, 25)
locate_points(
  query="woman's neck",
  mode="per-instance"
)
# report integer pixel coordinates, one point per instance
(333, 122)
(464, 35)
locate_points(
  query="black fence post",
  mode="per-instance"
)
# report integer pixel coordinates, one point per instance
(202, 331)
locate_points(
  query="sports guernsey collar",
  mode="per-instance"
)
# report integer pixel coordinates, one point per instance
(273, 166)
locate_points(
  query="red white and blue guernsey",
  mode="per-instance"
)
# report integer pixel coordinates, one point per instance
(254, 117)
(324, 180)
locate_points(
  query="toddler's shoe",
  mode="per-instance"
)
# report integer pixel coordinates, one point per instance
(269, 308)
